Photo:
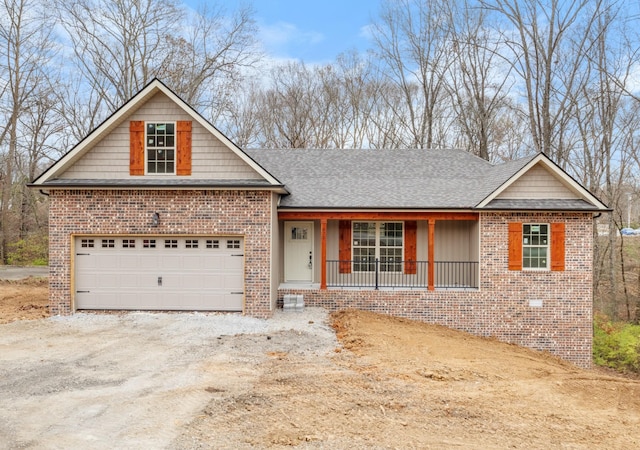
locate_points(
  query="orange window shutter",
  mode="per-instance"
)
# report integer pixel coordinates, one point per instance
(515, 246)
(410, 246)
(344, 252)
(136, 147)
(557, 246)
(183, 140)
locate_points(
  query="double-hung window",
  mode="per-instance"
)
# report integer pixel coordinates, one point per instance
(377, 240)
(161, 148)
(535, 246)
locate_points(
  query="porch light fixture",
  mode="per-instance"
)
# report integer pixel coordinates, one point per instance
(155, 219)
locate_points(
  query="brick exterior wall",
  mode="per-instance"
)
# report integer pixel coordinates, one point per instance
(104, 212)
(500, 308)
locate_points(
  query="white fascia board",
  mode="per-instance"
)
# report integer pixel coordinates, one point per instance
(565, 178)
(123, 112)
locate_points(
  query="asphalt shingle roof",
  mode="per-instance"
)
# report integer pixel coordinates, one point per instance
(551, 204)
(407, 178)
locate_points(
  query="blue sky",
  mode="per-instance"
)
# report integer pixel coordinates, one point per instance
(314, 31)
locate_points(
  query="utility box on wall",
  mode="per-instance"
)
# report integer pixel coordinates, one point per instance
(293, 302)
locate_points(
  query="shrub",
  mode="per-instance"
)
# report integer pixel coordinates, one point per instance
(30, 251)
(616, 344)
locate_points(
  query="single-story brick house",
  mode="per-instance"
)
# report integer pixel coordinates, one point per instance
(158, 210)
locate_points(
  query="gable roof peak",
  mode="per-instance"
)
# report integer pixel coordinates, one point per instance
(121, 114)
(511, 171)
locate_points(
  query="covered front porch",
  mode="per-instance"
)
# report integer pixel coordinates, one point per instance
(379, 250)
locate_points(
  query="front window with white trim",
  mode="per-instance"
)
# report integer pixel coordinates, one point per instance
(377, 240)
(161, 148)
(535, 246)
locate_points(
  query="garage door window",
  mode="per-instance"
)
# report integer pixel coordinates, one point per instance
(233, 243)
(128, 243)
(191, 243)
(108, 243)
(213, 243)
(149, 243)
(86, 243)
(170, 243)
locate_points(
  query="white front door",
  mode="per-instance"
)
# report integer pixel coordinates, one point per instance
(298, 254)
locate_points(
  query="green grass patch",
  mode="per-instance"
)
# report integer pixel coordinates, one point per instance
(616, 344)
(31, 251)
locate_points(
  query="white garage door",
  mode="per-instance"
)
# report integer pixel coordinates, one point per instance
(159, 273)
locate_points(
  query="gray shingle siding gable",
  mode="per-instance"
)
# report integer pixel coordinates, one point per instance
(374, 178)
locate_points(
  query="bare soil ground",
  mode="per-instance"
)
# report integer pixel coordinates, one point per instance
(390, 383)
(401, 384)
(24, 299)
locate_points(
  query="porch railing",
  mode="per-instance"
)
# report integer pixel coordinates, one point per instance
(456, 274)
(376, 274)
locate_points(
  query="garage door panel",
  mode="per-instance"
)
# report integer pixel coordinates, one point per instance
(216, 261)
(148, 261)
(108, 260)
(86, 260)
(108, 280)
(130, 262)
(125, 275)
(233, 263)
(231, 281)
(194, 262)
(198, 281)
(133, 280)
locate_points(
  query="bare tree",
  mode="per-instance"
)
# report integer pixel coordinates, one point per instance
(119, 43)
(241, 120)
(358, 94)
(606, 122)
(412, 42)
(548, 43)
(206, 63)
(26, 51)
(287, 108)
(479, 78)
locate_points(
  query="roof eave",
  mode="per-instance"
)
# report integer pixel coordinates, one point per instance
(537, 210)
(279, 189)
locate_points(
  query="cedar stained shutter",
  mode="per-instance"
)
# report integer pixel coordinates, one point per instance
(557, 246)
(515, 246)
(183, 141)
(344, 252)
(410, 247)
(136, 147)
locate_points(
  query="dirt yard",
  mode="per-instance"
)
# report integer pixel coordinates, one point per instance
(23, 299)
(389, 383)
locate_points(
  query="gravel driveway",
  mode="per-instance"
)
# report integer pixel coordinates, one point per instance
(133, 380)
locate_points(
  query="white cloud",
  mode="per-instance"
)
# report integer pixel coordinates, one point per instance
(632, 82)
(277, 38)
(366, 32)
